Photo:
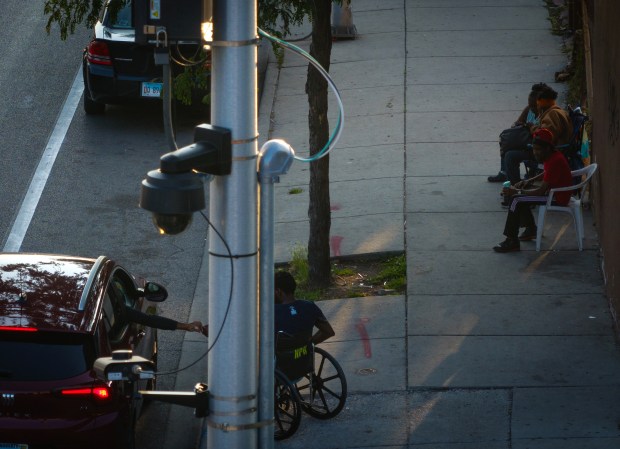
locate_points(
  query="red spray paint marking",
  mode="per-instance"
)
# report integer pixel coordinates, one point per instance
(334, 207)
(335, 241)
(361, 328)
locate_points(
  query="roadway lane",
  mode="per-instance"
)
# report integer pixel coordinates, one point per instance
(89, 206)
(36, 73)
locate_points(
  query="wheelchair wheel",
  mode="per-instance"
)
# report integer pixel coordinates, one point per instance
(287, 411)
(324, 392)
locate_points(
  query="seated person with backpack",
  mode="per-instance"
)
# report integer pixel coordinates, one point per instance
(556, 174)
(527, 118)
(550, 117)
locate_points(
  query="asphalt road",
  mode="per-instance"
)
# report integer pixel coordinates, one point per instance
(89, 206)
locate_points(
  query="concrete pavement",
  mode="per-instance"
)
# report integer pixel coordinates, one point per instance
(485, 350)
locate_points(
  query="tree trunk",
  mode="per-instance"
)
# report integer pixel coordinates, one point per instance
(319, 275)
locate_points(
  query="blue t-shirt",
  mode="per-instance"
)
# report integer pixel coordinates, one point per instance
(297, 318)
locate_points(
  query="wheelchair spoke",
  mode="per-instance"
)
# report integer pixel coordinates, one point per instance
(323, 392)
(322, 396)
(321, 365)
(327, 379)
(285, 413)
(334, 394)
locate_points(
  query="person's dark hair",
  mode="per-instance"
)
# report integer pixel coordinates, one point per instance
(538, 87)
(547, 93)
(284, 281)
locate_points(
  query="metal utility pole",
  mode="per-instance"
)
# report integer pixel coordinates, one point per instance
(276, 157)
(232, 372)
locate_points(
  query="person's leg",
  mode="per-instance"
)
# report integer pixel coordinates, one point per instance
(501, 175)
(513, 220)
(512, 163)
(519, 215)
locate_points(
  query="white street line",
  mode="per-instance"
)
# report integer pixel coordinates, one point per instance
(37, 184)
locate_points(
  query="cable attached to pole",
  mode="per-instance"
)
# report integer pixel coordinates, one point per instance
(335, 136)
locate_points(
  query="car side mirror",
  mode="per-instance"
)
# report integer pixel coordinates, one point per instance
(154, 292)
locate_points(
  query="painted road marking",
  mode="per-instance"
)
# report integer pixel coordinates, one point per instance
(41, 175)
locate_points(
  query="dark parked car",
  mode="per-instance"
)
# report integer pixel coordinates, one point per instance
(116, 69)
(58, 314)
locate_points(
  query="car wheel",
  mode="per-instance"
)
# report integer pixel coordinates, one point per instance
(92, 107)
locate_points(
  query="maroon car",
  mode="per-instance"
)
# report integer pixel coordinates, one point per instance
(57, 315)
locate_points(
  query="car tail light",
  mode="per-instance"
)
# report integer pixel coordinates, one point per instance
(18, 329)
(99, 393)
(98, 53)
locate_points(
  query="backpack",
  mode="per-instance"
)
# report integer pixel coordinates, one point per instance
(572, 150)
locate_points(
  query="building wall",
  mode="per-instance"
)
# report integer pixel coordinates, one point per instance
(605, 112)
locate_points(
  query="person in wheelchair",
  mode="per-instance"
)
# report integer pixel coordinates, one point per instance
(297, 318)
(307, 377)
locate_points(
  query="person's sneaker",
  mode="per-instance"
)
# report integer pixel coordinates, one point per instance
(507, 246)
(500, 177)
(528, 234)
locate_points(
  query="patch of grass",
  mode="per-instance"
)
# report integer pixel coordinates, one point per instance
(351, 277)
(342, 271)
(555, 17)
(393, 274)
(298, 266)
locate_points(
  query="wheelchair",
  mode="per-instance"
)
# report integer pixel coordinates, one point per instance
(309, 379)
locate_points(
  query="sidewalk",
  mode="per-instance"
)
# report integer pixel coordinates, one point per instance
(486, 350)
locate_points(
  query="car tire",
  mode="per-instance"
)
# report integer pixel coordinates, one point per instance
(92, 107)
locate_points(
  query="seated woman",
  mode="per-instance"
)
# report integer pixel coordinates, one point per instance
(556, 174)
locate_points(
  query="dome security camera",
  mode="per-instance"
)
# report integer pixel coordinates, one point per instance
(171, 224)
(175, 191)
(172, 198)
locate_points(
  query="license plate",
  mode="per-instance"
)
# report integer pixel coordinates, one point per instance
(148, 90)
(13, 446)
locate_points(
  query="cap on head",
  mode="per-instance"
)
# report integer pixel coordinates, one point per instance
(543, 136)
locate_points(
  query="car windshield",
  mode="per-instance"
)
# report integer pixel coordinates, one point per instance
(36, 356)
(122, 18)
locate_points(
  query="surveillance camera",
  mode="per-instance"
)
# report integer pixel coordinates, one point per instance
(123, 365)
(171, 223)
(172, 198)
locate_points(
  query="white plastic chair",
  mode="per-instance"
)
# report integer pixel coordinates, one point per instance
(573, 207)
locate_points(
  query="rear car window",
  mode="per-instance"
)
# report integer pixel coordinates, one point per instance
(36, 356)
(122, 19)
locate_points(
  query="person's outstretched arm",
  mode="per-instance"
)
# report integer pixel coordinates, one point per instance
(160, 322)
